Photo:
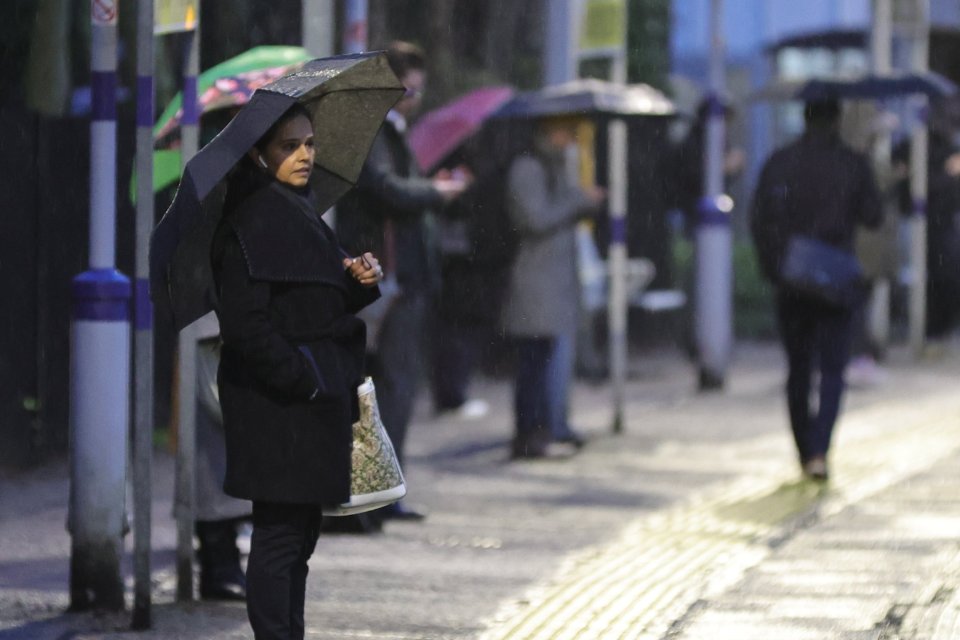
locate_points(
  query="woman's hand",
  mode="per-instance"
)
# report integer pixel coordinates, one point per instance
(365, 269)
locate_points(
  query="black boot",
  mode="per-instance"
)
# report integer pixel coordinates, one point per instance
(221, 577)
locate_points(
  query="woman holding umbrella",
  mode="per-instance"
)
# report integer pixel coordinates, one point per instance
(291, 361)
(244, 238)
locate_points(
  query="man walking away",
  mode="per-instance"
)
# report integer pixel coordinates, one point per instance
(819, 188)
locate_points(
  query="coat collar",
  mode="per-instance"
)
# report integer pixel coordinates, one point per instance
(285, 240)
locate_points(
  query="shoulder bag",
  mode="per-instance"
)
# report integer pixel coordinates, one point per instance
(822, 272)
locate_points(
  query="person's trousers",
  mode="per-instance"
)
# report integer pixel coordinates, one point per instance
(455, 356)
(559, 377)
(284, 536)
(399, 363)
(813, 335)
(544, 370)
(943, 304)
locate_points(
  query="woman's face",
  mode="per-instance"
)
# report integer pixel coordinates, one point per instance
(289, 154)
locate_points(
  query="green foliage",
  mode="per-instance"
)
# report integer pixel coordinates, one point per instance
(752, 295)
(648, 42)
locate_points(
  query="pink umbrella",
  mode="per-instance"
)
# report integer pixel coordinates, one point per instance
(441, 131)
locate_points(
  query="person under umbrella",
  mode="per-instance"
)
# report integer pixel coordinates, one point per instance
(540, 307)
(291, 361)
(244, 236)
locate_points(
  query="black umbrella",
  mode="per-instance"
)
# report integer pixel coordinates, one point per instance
(348, 97)
(588, 97)
(868, 87)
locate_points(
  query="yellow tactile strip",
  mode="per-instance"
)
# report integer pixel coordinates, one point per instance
(660, 565)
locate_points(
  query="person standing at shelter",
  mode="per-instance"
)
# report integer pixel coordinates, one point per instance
(819, 188)
(943, 219)
(542, 301)
(391, 212)
(291, 361)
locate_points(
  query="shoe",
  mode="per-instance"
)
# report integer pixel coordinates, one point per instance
(400, 511)
(223, 583)
(469, 410)
(555, 450)
(816, 469)
(863, 372)
(473, 409)
(572, 438)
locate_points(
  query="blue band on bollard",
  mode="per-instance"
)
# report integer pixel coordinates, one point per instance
(142, 307)
(711, 213)
(101, 294)
(103, 94)
(618, 230)
(191, 106)
(145, 101)
(919, 207)
(716, 106)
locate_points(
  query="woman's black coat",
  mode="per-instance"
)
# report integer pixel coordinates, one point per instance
(286, 308)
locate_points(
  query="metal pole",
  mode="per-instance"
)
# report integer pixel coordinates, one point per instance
(617, 251)
(100, 355)
(713, 319)
(617, 257)
(318, 27)
(355, 31)
(143, 324)
(187, 350)
(881, 54)
(917, 304)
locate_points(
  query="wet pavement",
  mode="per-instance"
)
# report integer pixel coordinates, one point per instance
(691, 524)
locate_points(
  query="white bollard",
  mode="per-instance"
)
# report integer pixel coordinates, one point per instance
(713, 296)
(99, 421)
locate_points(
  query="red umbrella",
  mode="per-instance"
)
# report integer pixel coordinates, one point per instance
(441, 131)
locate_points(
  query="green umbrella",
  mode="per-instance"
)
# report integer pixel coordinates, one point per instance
(263, 57)
(166, 162)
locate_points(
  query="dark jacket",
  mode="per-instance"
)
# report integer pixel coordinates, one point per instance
(817, 187)
(943, 206)
(391, 188)
(286, 309)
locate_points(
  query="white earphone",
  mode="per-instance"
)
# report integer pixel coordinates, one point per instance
(263, 163)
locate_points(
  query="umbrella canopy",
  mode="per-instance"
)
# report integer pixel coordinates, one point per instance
(226, 85)
(441, 131)
(348, 97)
(868, 87)
(249, 68)
(589, 97)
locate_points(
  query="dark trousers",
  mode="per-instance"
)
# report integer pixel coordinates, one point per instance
(542, 388)
(455, 356)
(284, 536)
(398, 365)
(943, 304)
(813, 335)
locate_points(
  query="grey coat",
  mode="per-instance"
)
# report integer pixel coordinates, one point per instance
(544, 207)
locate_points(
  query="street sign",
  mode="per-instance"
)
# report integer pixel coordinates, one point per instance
(103, 13)
(603, 26)
(172, 16)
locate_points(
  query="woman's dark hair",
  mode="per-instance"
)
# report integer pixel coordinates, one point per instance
(295, 111)
(404, 57)
(246, 177)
